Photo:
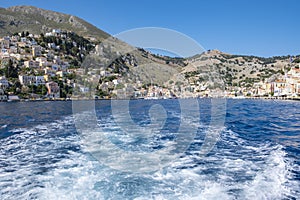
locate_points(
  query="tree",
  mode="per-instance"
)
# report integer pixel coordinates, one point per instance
(41, 90)
(10, 70)
(74, 51)
(2, 72)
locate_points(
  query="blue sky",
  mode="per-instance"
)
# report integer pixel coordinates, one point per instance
(251, 27)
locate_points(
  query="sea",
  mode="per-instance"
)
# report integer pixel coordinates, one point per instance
(150, 149)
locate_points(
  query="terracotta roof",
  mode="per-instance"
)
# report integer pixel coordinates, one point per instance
(280, 81)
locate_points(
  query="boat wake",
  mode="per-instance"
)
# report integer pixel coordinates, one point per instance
(49, 162)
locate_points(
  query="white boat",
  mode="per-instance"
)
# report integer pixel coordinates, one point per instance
(238, 97)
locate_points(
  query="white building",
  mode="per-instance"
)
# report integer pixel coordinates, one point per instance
(31, 64)
(116, 81)
(84, 89)
(42, 61)
(104, 73)
(295, 72)
(32, 80)
(51, 45)
(49, 71)
(57, 31)
(36, 51)
(17, 56)
(48, 34)
(3, 83)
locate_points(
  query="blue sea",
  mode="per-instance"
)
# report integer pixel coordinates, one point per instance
(150, 149)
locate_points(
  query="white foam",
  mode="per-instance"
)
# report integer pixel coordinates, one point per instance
(3, 126)
(266, 169)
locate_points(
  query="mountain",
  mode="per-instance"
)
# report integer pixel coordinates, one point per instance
(124, 67)
(37, 20)
(238, 70)
(133, 66)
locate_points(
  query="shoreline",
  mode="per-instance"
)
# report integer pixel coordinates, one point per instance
(106, 99)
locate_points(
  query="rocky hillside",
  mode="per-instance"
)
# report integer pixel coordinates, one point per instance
(130, 65)
(212, 70)
(120, 66)
(237, 70)
(37, 20)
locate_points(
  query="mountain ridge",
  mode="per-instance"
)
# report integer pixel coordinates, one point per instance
(209, 70)
(37, 20)
(25, 12)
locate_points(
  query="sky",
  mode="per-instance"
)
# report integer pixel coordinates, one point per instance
(248, 27)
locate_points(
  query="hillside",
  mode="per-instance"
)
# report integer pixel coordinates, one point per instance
(114, 58)
(239, 69)
(216, 69)
(37, 20)
(128, 67)
(113, 67)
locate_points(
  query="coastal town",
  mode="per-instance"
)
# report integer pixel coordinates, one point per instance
(40, 66)
(45, 66)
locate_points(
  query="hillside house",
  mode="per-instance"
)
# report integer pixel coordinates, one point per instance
(3, 83)
(31, 64)
(36, 51)
(31, 80)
